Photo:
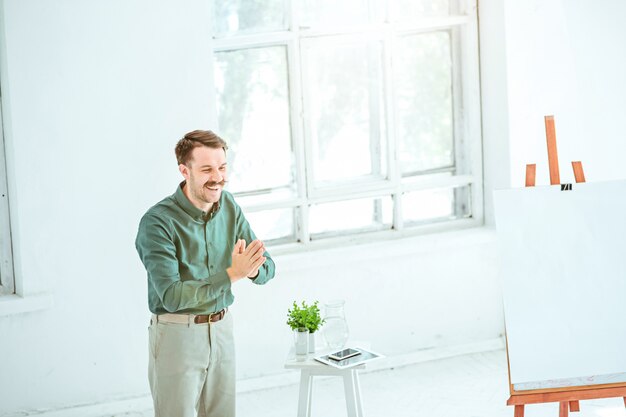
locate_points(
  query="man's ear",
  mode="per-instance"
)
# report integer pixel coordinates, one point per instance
(184, 170)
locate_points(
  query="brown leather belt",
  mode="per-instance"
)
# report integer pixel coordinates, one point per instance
(192, 318)
(213, 317)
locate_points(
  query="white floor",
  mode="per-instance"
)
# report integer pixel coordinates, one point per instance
(473, 385)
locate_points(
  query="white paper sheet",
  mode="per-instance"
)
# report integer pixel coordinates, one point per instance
(562, 258)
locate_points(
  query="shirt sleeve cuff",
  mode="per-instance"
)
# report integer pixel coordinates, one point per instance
(261, 277)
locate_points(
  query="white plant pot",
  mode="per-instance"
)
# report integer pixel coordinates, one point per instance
(301, 341)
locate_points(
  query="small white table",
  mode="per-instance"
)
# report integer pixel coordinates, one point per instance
(309, 368)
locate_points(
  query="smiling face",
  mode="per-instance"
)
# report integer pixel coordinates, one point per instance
(205, 176)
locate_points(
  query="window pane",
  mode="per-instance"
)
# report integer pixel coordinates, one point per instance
(319, 13)
(2, 233)
(273, 225)
(264, 197)
(253, 111)
(411, 9)
(344, 86)
(424, 103)
(248, 16)
(355, 215)
(432, 205)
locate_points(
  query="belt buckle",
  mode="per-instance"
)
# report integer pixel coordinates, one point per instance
(211, 317)
(217, 313)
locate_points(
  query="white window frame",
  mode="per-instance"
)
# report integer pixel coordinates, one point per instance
(467, 127)
(14, 296)
(7, 279)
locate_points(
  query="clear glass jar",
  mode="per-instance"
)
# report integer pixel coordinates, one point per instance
(335, 328)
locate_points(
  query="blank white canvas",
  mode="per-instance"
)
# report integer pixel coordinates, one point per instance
(562, 261)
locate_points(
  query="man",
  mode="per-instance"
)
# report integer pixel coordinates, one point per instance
(195, 244)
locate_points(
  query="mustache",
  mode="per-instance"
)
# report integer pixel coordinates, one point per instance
(213, 184)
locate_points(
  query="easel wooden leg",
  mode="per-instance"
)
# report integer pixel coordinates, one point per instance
(579, 174)
(519, 410)
(553, 158)
(563, 409)
(531, 170)
(574, 406)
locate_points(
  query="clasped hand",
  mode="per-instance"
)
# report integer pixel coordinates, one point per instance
(246, 261)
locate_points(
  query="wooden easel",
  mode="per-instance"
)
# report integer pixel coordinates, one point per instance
(567, 397)
(553, 160)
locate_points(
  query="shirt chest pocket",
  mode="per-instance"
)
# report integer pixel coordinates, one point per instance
(220, 248)
(193, 260)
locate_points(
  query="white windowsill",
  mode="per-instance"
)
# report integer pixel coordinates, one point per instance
(416, 245)
(16, 304)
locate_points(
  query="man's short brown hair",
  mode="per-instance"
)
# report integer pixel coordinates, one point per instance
(192, 140)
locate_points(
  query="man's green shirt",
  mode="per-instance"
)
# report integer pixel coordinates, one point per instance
(186, 252)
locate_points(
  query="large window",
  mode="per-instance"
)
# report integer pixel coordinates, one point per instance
(7, 284)
(350, 118)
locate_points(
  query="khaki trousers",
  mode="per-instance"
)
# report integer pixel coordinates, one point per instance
(192, 369)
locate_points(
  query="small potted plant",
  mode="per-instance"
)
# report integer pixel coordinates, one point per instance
(304, 319)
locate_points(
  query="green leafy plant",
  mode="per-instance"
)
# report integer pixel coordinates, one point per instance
(304, 316)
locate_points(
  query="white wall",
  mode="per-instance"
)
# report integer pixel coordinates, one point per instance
(566, 58)
(95, 95)
(494, 99)
(419, 293)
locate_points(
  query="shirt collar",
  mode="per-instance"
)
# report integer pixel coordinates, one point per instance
(190, 209)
